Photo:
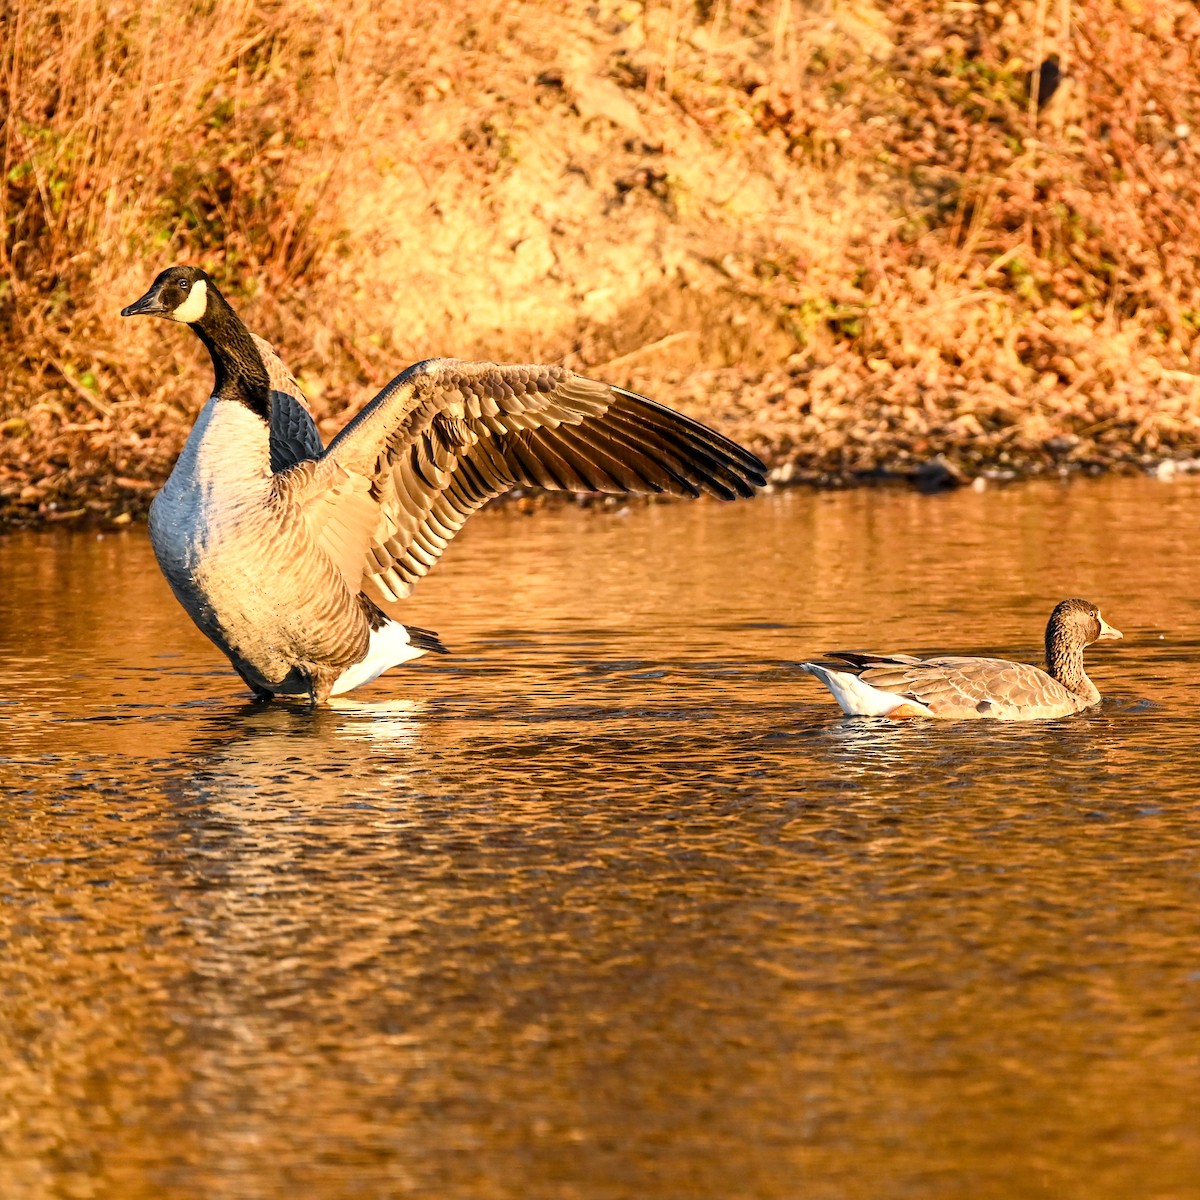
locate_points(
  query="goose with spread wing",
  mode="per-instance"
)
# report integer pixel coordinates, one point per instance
(293, 557)
(898, 685)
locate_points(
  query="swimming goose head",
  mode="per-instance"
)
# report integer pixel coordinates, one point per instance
(178, 294)
(1080, 623)
(1073, 625)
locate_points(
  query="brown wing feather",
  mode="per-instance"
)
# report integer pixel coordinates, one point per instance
(962, 686)
(445, 437)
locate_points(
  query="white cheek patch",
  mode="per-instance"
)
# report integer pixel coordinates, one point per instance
(192, 309)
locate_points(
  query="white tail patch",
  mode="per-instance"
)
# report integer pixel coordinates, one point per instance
(859, 699)
(193, 308)
(390, 646)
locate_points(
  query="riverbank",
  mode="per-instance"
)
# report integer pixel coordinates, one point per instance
(888, 445)
(860, 238)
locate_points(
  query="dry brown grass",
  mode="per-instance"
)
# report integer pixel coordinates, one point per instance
(841, 230)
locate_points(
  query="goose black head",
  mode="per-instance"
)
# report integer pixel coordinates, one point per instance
(188, 295)
(178, 294)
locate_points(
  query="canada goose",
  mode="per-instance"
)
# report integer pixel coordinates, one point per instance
(293, 557)
(897, 685)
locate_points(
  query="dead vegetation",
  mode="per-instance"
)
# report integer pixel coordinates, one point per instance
(847, 233)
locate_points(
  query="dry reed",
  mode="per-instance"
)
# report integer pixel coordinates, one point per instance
(850, 232)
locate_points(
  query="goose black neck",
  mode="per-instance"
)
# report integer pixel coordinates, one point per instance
(241, 374)
(1064, 660)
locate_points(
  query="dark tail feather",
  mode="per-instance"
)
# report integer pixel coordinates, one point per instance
(861, 661)
(425, 639)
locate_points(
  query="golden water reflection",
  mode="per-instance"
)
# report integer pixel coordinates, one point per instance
(612, 903)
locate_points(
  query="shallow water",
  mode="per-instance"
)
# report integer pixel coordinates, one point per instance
(613, 903)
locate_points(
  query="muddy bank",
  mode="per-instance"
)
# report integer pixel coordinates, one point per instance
(95, 473)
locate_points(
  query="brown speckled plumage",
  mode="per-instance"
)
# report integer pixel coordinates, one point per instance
(961, 688)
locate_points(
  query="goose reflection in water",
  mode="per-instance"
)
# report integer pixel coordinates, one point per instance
(257, 755)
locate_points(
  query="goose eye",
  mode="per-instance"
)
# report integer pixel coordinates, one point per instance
(185, 284)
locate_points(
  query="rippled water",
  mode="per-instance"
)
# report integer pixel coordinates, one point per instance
(613, 903)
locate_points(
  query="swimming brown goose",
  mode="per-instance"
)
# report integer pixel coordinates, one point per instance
(898, 685)
(293, 557)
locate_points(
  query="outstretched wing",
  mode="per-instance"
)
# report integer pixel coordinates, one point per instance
(446, 436)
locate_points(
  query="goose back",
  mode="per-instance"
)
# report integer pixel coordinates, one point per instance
(968, 688)
(294, 437)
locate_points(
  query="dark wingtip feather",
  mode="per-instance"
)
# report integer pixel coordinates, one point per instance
(862, 661)
(722, 467)
(851, 659)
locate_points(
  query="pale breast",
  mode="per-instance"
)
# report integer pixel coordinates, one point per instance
(220, 480)
(245, 567)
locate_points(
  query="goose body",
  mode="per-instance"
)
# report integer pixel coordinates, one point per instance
(293, 557)
(963, 688)
(257, 584)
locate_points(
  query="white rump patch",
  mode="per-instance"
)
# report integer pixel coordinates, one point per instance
(859, 699)
(389, 648)
(193, 308)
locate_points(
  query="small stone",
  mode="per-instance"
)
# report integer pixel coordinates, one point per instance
(938, 474)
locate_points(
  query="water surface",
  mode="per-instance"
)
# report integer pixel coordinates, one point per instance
(613, 904)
